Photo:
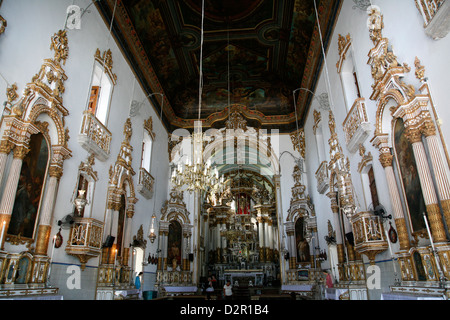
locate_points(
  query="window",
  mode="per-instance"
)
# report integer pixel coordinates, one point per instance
(100, 94)
(373, 188)
(146, 157)
(349, 81)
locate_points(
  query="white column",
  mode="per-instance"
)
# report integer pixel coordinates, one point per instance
(426, 182)
(9, 192)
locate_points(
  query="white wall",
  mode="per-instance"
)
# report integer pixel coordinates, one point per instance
(25, 44)
(404, 29)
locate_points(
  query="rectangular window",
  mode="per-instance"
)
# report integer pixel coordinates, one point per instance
(373, 188)
(93, 99)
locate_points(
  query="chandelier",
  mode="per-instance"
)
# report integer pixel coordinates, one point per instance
(196, 176)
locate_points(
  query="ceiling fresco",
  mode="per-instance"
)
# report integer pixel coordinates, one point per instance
(255, 54)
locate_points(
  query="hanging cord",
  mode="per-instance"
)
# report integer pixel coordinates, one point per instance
(328, 83)
(200, 90)
(107, 42)
(156, 176)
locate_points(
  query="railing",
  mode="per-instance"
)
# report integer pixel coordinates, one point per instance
(369, 236)
(94, 136)
(322, 178)
(356, 125)
(85, 239)
(146, 183)
(174, 278)
(428, 9)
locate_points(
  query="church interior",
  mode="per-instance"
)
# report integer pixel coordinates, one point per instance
(157, 150)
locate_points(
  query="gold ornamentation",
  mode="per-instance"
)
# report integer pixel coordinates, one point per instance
(106, 60)
(6, 146)
(236, 121)
(87, 167)
(436, 223)
(3, 24)
(20, 152)
(420, 70)
(356, 125)
(402, 232)
(60, 46)
(94, 136)
(148, 126)
(299, 141)
(317, 119)
(11, 93)
(344, 44)
(386, 159)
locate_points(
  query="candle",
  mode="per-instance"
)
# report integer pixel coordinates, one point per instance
(3, 233)
(53, 248)
(428, 229)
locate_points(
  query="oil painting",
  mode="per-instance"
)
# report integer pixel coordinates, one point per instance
(29, 189)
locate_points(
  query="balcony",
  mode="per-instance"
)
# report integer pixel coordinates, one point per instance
(146, 183)
(369, 236)
(356, 126)
(435, 14)
(94, 137)
(85, 239)
(322, 178)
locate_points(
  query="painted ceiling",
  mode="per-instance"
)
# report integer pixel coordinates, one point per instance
(255, 54)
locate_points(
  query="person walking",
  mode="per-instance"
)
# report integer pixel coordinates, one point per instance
(228, 291)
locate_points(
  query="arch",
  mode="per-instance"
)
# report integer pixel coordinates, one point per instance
(383, 118)
(258, 147)
(38, 109)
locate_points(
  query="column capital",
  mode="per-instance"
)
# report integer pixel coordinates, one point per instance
(428, 129)
(386, 159)
(6, 146)
(413, 135)
(55, 171)
(20, 152)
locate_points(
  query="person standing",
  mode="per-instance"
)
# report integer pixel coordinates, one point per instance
(209, 289)
(137, 283)
(228, 291)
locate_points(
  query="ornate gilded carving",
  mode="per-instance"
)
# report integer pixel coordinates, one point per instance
(356, 125)
(420, 70)
(87, 167)
(107, 62)
(6, 146)
(59, 44)
(148, 126)
(236, 121)
(20, 152)
(317, 120)
(344, 44)
(11, 94)
(299, 141)
(95, 137)
(3, 24)
(386, 159)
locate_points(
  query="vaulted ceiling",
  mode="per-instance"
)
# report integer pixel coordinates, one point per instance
(255, 54)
